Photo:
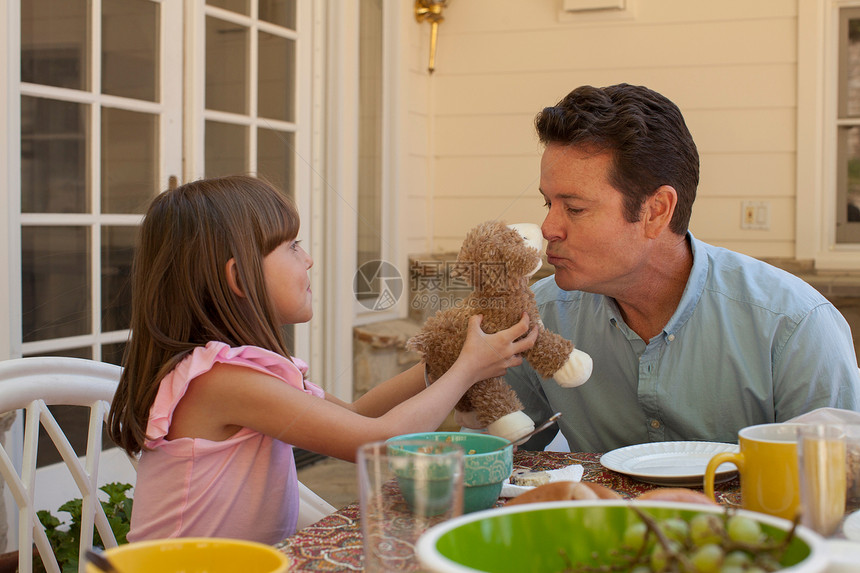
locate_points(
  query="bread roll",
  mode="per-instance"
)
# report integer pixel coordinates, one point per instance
(676, 494)
(565, 491)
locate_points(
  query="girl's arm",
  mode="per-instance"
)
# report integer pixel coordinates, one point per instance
(384, 396)
(229, 397)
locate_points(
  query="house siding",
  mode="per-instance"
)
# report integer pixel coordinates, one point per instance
(731, 67)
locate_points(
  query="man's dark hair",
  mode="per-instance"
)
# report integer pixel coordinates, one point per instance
(646, 135)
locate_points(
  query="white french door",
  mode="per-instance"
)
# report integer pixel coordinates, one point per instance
(104, 104)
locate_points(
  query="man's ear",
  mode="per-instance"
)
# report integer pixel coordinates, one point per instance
(233, 278)
(659, 210)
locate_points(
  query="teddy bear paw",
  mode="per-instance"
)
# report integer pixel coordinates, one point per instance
(512, 426)
(575, 371)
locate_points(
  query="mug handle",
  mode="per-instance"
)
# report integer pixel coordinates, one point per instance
(714, 463)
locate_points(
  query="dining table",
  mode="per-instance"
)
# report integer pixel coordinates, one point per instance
(335, 544)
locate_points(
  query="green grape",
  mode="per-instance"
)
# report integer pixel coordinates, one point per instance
(743, 529)
(706, 528)
(660, 556)
(737, 557)
(707, 543)
(676, 529)
(634, 536)
(768, 562)
(707, 558)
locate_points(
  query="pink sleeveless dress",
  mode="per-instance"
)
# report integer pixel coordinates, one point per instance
(244, 487)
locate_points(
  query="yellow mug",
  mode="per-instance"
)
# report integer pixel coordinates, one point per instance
(768, 468)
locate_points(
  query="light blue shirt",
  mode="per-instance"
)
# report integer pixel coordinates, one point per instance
(748, 344)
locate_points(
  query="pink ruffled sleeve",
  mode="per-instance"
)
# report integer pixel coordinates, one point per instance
(201, 360)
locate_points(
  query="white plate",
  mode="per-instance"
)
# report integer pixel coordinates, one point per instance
(842, 555)
(851, 527)
(670, 463)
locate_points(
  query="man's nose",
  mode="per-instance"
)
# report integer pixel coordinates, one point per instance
(551, 228)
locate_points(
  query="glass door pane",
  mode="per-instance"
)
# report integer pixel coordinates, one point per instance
(130, 49)
(848, 131)
(279, 12)
(129, 160)
(55, 282)
(118, 244)
(370, 180)
(55, 50)
(226, 149)
(276, 73)
(226, 66)
(275, 156)
(54, 159)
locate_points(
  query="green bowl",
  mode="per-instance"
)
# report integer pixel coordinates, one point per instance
(425, 478)
(529, 537)
(486, 467)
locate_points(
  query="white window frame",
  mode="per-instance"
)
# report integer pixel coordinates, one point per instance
(10, 128)
(817, 112)
(343, 312)
(390, 250)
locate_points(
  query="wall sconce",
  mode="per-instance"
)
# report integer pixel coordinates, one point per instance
(431, 10)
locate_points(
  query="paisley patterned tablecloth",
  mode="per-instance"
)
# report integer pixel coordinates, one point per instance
(334, 542)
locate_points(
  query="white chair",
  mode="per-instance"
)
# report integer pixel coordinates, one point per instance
(312, 507)
(33, 384)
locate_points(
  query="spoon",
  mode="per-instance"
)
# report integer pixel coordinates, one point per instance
(98, 559)
(549, 422)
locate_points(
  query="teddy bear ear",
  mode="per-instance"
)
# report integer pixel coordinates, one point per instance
(532, 238)
(531, 234)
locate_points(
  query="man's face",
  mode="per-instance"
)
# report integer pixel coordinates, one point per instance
(590, 243)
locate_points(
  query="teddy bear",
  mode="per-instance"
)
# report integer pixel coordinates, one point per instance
(497, 261)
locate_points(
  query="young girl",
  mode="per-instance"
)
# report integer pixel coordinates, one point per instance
(210, 396)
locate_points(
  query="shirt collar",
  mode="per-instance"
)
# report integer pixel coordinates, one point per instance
(692, 292)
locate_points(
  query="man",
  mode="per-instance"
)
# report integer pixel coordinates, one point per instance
(689, 341)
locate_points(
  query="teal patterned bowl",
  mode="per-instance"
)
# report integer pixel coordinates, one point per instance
(487, 467)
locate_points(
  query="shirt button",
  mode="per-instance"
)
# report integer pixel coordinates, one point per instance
(671, 337)
(655, 424)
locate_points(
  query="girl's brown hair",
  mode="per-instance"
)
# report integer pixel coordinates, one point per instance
(180, 295)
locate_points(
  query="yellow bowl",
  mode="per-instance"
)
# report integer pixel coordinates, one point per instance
(195, 555)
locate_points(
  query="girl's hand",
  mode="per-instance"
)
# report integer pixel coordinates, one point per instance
(489, 355)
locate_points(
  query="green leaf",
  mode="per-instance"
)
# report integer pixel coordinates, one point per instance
(66, 542)
(48, 521)
(116, 492)
(71, 566)
(73, 508)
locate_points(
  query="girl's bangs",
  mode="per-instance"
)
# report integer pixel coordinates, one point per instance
(278, 224)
